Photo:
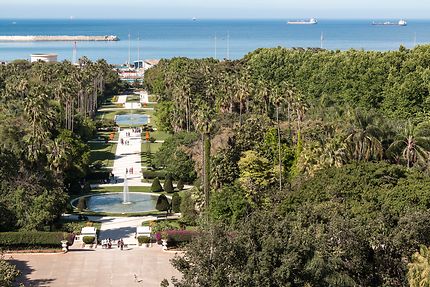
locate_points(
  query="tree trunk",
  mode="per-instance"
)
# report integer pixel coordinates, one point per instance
(206, 167)
(279, 149)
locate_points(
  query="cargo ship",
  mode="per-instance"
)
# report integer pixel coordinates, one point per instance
(311, 21)
(400, 23)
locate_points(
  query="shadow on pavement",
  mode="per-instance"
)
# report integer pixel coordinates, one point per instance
(24, 278)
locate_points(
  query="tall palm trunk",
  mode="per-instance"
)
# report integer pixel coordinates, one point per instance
(279, 148)
(206, 167)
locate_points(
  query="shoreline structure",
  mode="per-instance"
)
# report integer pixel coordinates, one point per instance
(58, 38)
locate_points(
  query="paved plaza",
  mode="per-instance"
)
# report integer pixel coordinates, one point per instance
(97, 268)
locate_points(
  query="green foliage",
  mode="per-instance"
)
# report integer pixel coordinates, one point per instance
(156, 185)
(188, 210)
(174, 159)
(180, 185)
(168, 184)
(256, 175)
(419, 268)
(47, 112)
(152, 174)
(229, 205)
(163, 203)
(26, 240)
(8, 273)
(143, 239)
(176, 203)
(88, 239)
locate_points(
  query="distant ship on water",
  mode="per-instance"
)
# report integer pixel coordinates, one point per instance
(387, 23)
(311, 21)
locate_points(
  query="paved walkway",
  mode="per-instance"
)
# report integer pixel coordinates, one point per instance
(96, 268)
(122, 109)
(123, 228)
(128, 157)
(122, 99)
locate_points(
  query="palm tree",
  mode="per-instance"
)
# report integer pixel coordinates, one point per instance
(363, 138)
(204, 122)
(277, 98)
(413, 144)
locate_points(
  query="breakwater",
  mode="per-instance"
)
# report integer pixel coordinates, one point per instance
(58, 38)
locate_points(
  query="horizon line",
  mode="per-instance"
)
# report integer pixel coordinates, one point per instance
(208, 18)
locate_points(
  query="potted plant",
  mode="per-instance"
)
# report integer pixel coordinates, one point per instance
(64, 245)
(164, 237)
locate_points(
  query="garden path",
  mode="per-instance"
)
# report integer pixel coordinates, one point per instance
(122, 99)
(128, 157)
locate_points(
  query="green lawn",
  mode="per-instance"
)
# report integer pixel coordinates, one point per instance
(104, 152)
(133, 98)
(160, 135)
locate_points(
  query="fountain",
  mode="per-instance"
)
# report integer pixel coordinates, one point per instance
(125, 194)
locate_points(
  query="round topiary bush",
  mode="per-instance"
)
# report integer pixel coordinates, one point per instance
(156, 186)
(88, 239)
(168, 184)
(176, 203)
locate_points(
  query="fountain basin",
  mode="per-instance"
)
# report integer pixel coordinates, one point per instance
(132, 119)
(113, 202)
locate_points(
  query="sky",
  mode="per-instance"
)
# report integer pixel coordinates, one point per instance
(215, 9)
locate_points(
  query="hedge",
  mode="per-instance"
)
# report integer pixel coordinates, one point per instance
(88, 239)
(152, 174)
(34, 239)
(178, 237)
(143, 239)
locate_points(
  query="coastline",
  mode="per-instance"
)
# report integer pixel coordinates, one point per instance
(30, 38)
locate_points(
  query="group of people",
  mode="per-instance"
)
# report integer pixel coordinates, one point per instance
(129, 170)
(107, 243)
(126, 142)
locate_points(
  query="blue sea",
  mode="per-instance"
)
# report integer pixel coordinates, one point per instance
(204, 38)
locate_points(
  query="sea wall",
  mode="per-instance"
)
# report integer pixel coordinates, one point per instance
(58, 38)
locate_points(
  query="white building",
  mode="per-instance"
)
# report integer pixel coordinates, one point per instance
(49, 58)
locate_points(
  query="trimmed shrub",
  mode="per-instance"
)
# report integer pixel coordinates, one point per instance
(143, 239)
(82, 204)
(162, 203)
(151, 174)
(33, 239)
(88, 239)
(176, 203)
(156, 186)
(180, 185)
(179, 237)
(189, 213)
(168, 185)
